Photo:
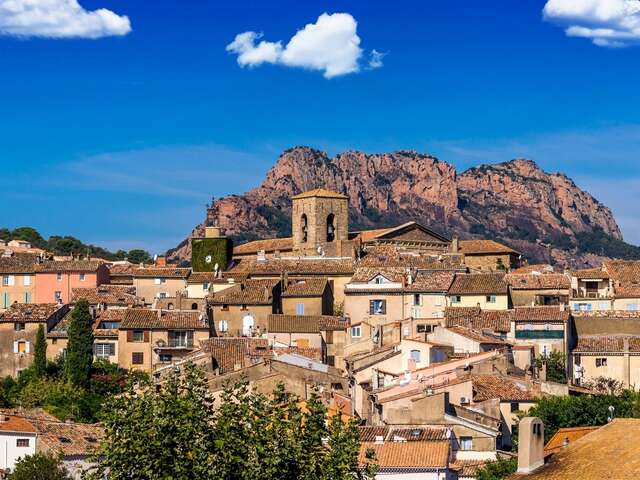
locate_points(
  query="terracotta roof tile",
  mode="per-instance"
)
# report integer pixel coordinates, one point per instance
(308, 352)
(268, 245)
(407, 455)
(608, 452)
(301, 266)
(232, 353)
(419, 434)
(431, 281)
(69, 266)
(532, 281)
(487, 387)
(477, 247)
(204, 277)
(19, 263)
(543, 268)
(278, 323)
(143, 318)
(479, 284)
(606, 343)
(11, 423)
(71, 439)
(473, 317)
(250, 292)
(590, 273)
(31, 312)
(392, 274)
(329, 322)
(107, 294)
(161, 272)
(369, 433)
(545, 313)
(122, 268)
(475, 335)
(390, 256)
(319, 192)
(564, 436)
(306, 287)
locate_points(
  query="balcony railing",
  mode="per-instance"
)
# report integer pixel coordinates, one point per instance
(180, 343)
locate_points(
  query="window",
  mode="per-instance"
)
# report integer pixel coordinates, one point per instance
(415, 355)
(491, 299)
(27, 297)
(224, 307)
(18, 326)
(583, 307)
(59, 276)
(331, 228)
(21, 347)
(109, 325)
(417, 300)
(137, 358)
(437, 301)
(379, 280)
(57, 296)
(303, 225)
(138, 336)
(104, 350)
(181, 338)
(456, 299)
(601, 362)
(5, 280)
(466, 443)
(515, 406)
(6, 300)
(299, 308)
(170, 306)
(243, 307)
(356, 331)
(547, 326)
(54, 341)
(22, 442)
(632, 307)
(603, 306)
(26, 280)
(8, 280)
(162, 295)
(423, 328)
(223, 326)
(205, 286)
(166, 358)
(82, 277)
(377, 307)
(194, 306)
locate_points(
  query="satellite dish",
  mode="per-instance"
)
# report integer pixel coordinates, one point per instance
(216, 267)
(208, 259)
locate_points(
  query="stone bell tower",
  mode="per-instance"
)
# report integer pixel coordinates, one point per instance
(320, 223)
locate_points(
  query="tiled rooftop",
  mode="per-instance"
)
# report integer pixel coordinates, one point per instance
(547, 313)
(487, 387)
(305, 287)
(479, 284)
(278, 323)
(402, 455)
(30, 312)
(473, 317)
(250, 292)
(476, 247)
(108, 294)
(302, 266)
(532, 281)
(143, 318)
(268, 245)
(161, 272)
(69, 266)
(18, 263)
(606, 343)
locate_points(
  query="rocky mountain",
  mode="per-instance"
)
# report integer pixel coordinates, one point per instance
(544, 215)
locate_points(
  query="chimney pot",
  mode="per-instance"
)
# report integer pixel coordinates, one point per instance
(530, 444)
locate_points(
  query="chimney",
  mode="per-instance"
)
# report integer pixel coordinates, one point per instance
(455, 244)
(161, 261)
(212, 232)
(530, 444)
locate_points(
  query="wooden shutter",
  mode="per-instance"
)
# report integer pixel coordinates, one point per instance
(112, 349)
(146, 335)
(371, 307)
(384, 307)
(129, 336)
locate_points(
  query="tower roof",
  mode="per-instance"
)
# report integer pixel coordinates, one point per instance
(319, 192)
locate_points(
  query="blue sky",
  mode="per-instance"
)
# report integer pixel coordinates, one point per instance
(122, 138)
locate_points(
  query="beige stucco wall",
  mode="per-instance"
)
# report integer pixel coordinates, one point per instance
(489, 261)
(431, 305)
(303, 340)
(234, 315)
(11, 363)
(312, 305)
(196, 290)
(146, 288)
(501, 303)
(625, 303)
(623, 368)
(19, 291)
(356, 307)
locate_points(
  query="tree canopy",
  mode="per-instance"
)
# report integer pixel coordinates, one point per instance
(80, 345)
(174, 432)
(40, 466)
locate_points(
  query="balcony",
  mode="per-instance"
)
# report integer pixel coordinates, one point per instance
(582, 293)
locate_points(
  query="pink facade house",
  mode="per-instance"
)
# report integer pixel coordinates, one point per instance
(55, 280)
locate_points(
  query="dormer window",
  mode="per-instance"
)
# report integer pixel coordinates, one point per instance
(379, 280)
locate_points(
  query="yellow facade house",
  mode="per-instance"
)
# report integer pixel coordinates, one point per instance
(488, 291)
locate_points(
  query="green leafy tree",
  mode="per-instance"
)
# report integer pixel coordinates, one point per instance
(555, 366)
(138, 255)
(30, 235)
(498, 470)
(40, 353)
(40, 466)
(174, 432)
(80, 345)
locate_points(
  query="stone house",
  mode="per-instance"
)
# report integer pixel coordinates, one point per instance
(307, 296)
(489, 255)
(533, 289)
(625, 279)
(18, 329)
(488, 291)
(333, 331)
(243, 309)
(465, 340)
(159, 282)
(294, 331)
(546, 328)
(591, 289)
(17, 272)
(148, 339)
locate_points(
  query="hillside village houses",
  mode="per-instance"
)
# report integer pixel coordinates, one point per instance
(430, 342)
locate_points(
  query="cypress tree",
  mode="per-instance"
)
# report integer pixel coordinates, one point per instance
(80, 346)
(40, 353)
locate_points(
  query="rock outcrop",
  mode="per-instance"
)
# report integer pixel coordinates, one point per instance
(541, 214)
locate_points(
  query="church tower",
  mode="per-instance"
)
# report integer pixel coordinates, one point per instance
(320, 223)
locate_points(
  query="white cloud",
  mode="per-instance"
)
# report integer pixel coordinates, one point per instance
(375, 59)
(58, 19)
(331, 45)
(607, 23)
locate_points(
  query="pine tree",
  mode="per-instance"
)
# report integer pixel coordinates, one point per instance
(40, 353)
(80, 346)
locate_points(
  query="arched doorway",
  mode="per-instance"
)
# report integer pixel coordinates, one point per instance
(248, 324)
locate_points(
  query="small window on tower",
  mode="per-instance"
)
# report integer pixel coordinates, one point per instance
(303, 225)
(331, 228)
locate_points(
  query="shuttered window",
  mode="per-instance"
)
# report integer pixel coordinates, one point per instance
(377, 307)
